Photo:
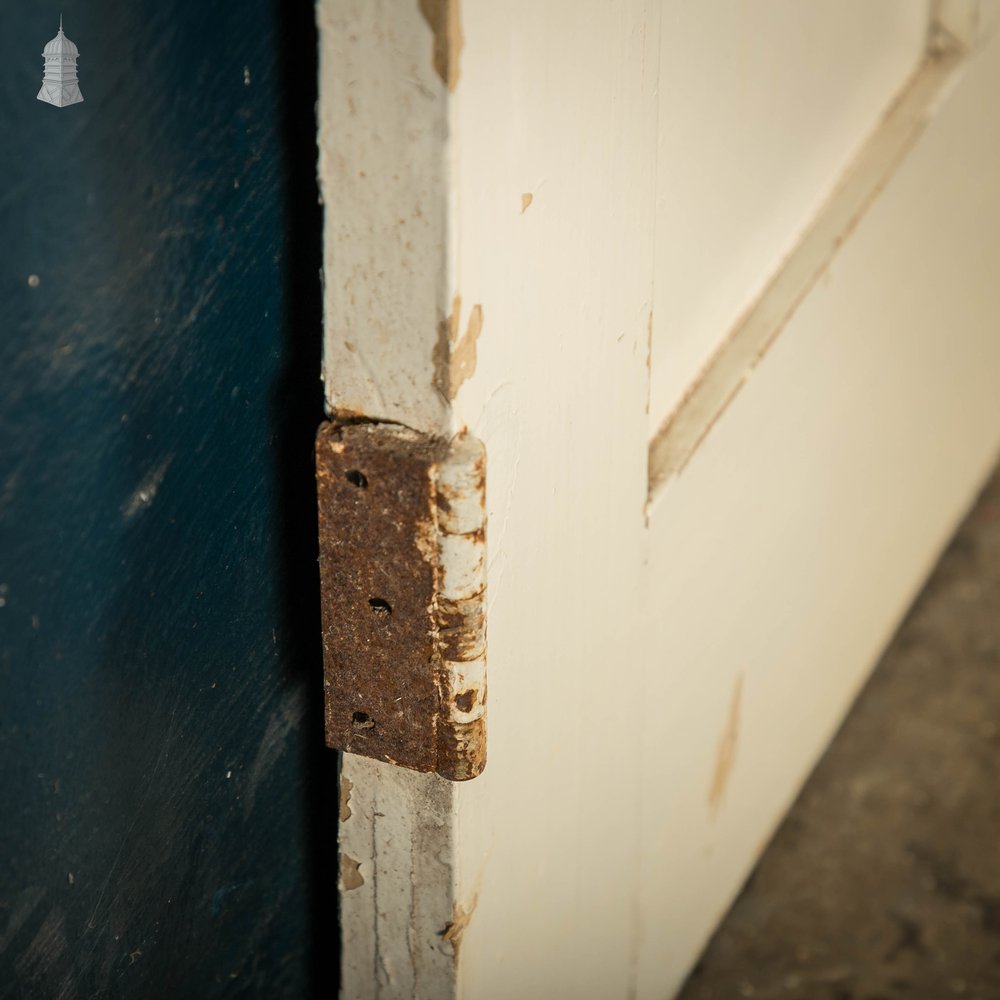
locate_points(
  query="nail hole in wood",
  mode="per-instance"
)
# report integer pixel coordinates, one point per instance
(357, 477)
(362, 720)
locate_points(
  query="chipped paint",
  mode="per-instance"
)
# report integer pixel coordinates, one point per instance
(463, 355)
(454, 357)
(350, 873)
(460, 604)
(725, 756)
(345, 798)
(444, 19)
(455, 928)
(402, 834)
(526, 199)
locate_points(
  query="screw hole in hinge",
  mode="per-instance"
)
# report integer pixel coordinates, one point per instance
(357, 477)
(362, 720)
(381, 608)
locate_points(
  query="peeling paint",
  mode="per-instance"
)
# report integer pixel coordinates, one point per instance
(444, 19)
(526, 200)
(460, 607)
(345, 798)
(725, 756)
(350, 874)
(455, 928)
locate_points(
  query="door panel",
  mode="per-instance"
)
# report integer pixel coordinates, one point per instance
(783, 556)
(761, 108)
(665, 666)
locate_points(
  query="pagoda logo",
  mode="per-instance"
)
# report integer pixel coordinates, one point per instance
(59, 85)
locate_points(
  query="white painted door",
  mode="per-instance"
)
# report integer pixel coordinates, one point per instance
(715, 286)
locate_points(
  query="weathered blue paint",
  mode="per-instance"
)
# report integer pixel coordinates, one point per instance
(167, 825)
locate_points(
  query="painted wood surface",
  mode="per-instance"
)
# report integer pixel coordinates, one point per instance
(761, 108)
(782, 558)
(166, 796)
(383, 139)
(390, 325)
(560, 105)
(678, 437)
(662, 675)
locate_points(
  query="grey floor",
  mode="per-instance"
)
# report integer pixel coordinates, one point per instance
(884, 880)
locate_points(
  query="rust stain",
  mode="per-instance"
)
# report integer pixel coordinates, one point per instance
(725, 756)
(426, 539)
(526, 200)
(460, 607)
(444, 19)
(345, 797)
(350, 875)
(465, 745)
(455, 927)
(461, 625)
(404, 641)
(374, 488)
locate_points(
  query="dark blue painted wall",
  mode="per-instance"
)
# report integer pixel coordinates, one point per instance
(166, 824)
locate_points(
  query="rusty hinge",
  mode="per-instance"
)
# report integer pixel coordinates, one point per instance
(402, 552)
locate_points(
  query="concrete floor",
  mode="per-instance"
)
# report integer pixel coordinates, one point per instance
(884, 880)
